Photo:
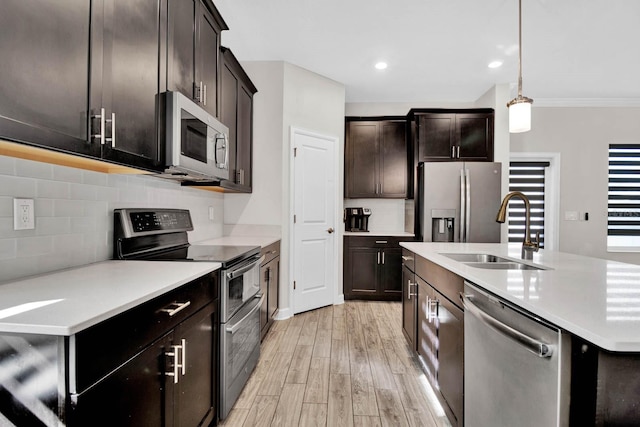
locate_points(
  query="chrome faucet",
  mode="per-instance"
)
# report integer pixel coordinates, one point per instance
(528, 247)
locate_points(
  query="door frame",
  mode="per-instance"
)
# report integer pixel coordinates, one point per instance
(338, 295)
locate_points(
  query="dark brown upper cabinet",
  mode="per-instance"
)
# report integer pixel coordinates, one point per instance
(376, 157)
(453, 135)
(44, 89)
(236, 112)
(194, 43)
(127, 38)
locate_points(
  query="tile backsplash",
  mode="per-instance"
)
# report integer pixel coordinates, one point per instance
(74, 213)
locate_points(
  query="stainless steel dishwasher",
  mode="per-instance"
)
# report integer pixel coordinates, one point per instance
(517, 367)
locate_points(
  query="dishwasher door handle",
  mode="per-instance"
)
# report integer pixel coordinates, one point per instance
(538, 348)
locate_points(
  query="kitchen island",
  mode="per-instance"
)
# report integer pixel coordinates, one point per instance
(594, 302)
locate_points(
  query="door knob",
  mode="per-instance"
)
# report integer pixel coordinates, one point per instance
(330, 230)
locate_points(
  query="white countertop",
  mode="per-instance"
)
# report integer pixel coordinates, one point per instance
(67, 301)
(261, 241)
(596, 299)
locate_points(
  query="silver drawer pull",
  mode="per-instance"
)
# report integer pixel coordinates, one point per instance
(381, 241)
(175, 307)
(407, 258)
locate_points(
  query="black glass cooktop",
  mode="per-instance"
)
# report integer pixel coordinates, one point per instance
(226, 255)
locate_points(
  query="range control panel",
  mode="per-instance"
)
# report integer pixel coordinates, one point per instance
(139, 222)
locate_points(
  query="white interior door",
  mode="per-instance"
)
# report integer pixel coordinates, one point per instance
(314, 220)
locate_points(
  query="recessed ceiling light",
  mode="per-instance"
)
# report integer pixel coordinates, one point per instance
(381, 65)
(495, 64)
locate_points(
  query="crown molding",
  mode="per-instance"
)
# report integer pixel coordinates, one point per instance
(586, 102)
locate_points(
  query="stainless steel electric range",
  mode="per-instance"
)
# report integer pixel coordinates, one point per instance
(161, 235)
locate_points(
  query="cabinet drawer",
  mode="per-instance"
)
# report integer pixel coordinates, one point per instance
(103, 347)
(270, 252)
(375, 241)
(409, 259)
(447, 283)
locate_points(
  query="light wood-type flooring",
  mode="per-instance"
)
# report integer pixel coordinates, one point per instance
(343, 365)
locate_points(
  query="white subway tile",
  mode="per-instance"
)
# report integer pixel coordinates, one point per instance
(64, 243)
(11, 269)
(7, 165)
(44, 207)
(53, 190)
(68, 208)
(115, 180)
(108, 194)
(30, 169)
(17, 186)
(99, 208)
(83, 192)
(7, 248)
(94, 178)
(84, 225)
(33, 246)
(6, 206)
(50, 226)
(67, 174)
(7, 231)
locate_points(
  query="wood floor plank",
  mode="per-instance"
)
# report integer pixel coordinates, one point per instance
(313, 415)
(363, 393)
(339, 327)
(308, 332)
(415, 401)
(364, 421)
(339, 407)
(317, 390)
(289, 406)
(399, 363)
(250, 390)
(299, 368)
(274, 379)
(340, 357)
(325, 318)
(289, 340)
(380, 370)
(235, 418)
(271, 343)
(322, 346)
(261, 413)
(281, 325)
(298, 320)
(391, 410)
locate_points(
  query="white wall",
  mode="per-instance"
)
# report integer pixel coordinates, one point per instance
(582, 136)
(74, 213)
(288, 96)
(387, 215)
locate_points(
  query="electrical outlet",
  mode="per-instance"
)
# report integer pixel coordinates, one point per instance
(211, 213)
(23, 214)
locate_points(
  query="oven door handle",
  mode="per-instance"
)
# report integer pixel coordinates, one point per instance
(241, 270)
(232, 330)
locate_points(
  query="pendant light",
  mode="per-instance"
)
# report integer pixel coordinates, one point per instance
(520, 106)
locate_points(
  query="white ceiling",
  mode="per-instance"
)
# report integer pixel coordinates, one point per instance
(581, 52)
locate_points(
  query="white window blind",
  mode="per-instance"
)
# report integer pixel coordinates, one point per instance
(623, 224)
(528, 178)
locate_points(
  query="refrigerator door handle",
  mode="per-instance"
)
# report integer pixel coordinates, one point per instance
(467, 216)
(463, 207)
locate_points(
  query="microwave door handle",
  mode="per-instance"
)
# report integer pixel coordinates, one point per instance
(226, 151)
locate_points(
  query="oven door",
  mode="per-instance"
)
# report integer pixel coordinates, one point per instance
(239, 352)
(240, 283)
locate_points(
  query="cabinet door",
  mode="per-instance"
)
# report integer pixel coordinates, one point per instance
(44, 89)
(207, 47)
(427, 331)
(409, 306)
(361, 273)
(361, 157)
(229, 113)
(195, 397)
(474, 135)
(136, 394)
(130, 45)
(244, 135)
(182, 39)
(393, 159)
(274, 284)
(436, 136)
(264, 288)
(451, 355)
(391, 272)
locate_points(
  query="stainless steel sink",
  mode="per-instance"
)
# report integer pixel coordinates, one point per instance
(511, 265)
(483, 258)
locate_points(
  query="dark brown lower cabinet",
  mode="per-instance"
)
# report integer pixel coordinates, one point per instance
(409, 306)
(269, 281)
(373, 267)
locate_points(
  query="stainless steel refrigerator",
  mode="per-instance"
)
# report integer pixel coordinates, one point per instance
(458, 202)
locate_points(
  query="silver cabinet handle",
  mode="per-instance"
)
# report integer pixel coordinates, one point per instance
(183, 365)
(453, 152)
(204, 93)
(232, 330)
(407, 258)
(538, 348)
(112, 120)
(409, 293)
(100, 135)
(175, 307)
(200, 92)
(381, 241)
(175, 354)
(429, 309)
(458, 152)
(383, 257)
(378, 257)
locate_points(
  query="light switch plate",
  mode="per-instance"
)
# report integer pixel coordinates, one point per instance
(23, 214)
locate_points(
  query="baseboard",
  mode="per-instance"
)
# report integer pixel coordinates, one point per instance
(283, 313)
(339, 300)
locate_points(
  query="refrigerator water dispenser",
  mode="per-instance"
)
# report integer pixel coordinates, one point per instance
(442, 225)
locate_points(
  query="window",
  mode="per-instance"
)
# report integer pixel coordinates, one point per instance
(528, 177)
(623, 224)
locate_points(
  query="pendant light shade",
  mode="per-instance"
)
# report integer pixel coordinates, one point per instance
(520, 107)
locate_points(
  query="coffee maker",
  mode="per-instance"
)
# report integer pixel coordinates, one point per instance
(356, 219)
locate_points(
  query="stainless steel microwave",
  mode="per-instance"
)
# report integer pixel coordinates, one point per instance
(197, 144)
